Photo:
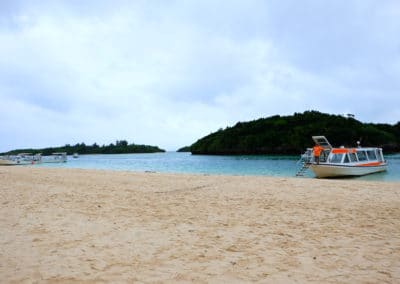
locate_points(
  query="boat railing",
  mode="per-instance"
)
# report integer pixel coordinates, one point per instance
(306, 157)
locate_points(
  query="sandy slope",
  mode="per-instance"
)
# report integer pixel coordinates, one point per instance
(66, 225)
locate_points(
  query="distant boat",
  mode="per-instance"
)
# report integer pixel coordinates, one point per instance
(7, 161)
(76, 155)
(58, 157)
(20, 159)
(341, 162)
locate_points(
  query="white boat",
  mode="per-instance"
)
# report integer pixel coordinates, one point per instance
(341, 162)
(76, 155)
(58, 157)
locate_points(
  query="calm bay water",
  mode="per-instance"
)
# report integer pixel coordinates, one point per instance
(173, 162)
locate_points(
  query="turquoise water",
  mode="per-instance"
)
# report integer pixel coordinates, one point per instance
(173, 162)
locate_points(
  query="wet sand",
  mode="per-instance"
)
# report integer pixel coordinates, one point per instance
(70, 225)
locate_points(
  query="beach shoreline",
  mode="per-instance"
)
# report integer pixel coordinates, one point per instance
(66, 225)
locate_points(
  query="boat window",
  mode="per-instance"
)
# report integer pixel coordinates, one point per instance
(346, 159)
(380, 156)
(353, 157)
(371, 155)
(336, 158)
(362, 155)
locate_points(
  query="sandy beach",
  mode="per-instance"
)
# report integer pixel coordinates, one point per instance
(70, 225)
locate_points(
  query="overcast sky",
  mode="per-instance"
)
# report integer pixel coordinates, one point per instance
(167, 73)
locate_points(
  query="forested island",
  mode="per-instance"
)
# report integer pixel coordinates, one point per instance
(292, 135)
(184, 149)
(120, 147)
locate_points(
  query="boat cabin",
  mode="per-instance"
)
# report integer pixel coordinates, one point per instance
(354, 155)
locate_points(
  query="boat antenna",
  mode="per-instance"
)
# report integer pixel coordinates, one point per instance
(359, 142)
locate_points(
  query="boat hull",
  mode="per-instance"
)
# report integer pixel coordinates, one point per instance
(16, 162)
(7, 163)
(329, 170)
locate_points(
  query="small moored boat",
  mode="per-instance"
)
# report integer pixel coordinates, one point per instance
(58, 157)
(341, 162)
(7, 161)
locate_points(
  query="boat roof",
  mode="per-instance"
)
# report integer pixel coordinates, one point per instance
(343, 150)
(322, 141)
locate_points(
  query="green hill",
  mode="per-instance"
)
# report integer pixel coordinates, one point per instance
(120, 147)
(292, 135)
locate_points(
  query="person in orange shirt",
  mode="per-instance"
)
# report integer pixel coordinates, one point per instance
(317, 152)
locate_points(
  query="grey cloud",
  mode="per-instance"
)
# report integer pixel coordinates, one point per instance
(137, 69)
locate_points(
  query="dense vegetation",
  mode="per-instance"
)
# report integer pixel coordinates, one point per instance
(292, 135)
(184, 149)
(120, 147)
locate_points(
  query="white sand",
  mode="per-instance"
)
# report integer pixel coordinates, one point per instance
(67, 225)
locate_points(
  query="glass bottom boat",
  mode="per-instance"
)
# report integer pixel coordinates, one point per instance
(340, 162)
